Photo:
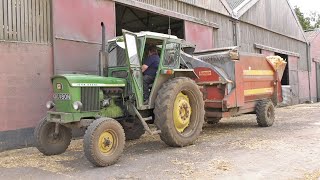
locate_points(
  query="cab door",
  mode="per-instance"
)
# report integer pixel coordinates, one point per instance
(134, 62)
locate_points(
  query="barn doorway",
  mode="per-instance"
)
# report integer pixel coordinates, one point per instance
(285, 78)
(135, 20)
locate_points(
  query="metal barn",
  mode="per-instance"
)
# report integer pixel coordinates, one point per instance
(39, 38)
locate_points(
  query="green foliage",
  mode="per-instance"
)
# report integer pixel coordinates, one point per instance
(310, 22)
(315, 17)
(112, 111)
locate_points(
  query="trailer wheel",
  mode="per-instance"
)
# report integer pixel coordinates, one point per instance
(49, 143)
(104, 142)
(212, 120)
(133, 128)
(265, 113)
(179, 112)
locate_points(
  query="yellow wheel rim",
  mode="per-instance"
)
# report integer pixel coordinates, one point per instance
(107, 141)
(181, 112)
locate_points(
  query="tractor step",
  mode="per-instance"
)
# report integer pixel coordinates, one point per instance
(143, 121)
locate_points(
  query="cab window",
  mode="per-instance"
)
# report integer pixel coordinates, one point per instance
(171, 56)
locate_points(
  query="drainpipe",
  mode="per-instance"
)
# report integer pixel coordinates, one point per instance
(309, 68)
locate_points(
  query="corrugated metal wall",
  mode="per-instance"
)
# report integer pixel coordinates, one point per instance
(274, 15)
(223, 37)
(251, 34)
(25, 20)
(188, 6)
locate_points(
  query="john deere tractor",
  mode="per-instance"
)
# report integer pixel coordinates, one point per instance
(110, 106)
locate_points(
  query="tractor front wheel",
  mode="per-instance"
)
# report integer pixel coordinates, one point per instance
(50, 143)
(103, 142)
(179, 112)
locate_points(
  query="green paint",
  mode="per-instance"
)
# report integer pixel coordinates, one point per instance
(62, 117)
(91, 79)
(74, 92)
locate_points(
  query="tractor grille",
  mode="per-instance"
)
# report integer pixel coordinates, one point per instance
(90, 99)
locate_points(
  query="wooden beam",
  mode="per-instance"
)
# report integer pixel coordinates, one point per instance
(268, 48)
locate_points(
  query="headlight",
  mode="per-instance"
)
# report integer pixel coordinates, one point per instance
(50, 105)
(77, 105)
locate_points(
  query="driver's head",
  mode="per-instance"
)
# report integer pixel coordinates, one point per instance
(152, 50)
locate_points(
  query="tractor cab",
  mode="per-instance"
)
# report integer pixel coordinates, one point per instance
(127, 54)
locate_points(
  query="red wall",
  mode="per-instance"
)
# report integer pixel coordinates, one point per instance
(77, 32)
(315, 56)
(25, 87)
(313, 81)
(303, 86)
(200, 35)
(315, 48)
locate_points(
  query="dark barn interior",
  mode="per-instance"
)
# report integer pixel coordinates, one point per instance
(135, 20)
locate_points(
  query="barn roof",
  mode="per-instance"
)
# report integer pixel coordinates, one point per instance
(234, 3)
(311, 35)
(239, 7)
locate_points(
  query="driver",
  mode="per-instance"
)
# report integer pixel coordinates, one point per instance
(149, 70)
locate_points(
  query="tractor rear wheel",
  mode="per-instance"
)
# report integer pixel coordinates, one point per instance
(104, 142)
(265, 113)
(179, 112)
(49, 143)
(133, 128)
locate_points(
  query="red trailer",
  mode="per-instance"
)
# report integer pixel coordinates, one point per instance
(236, 83)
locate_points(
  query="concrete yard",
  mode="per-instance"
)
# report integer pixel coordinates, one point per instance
(236, 148)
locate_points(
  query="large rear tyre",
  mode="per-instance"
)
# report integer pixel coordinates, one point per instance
(104, 141)
(265, 113)
(133, 128)
(179, 112)
(49, 143)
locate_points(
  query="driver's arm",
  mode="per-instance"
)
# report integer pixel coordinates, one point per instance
(144, 68)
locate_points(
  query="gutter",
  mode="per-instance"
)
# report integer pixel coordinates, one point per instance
(309, 68)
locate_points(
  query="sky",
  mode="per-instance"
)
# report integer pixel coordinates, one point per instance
(306, 5)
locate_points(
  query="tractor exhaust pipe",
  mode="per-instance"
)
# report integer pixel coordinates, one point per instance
(103, 62)
(103, 28)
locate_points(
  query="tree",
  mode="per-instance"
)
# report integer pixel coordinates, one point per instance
(315, 18)
(304, 21)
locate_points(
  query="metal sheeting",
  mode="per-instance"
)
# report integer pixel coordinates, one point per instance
(275, 15)
(185, 6)
(25, 20)
(311, 35)
(77, 35)
(25, 84)
(252, 34)
(287, 96)
(201, 36)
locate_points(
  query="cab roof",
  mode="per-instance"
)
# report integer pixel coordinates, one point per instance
(160, 36)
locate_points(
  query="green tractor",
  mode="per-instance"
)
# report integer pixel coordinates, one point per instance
(110, 106)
